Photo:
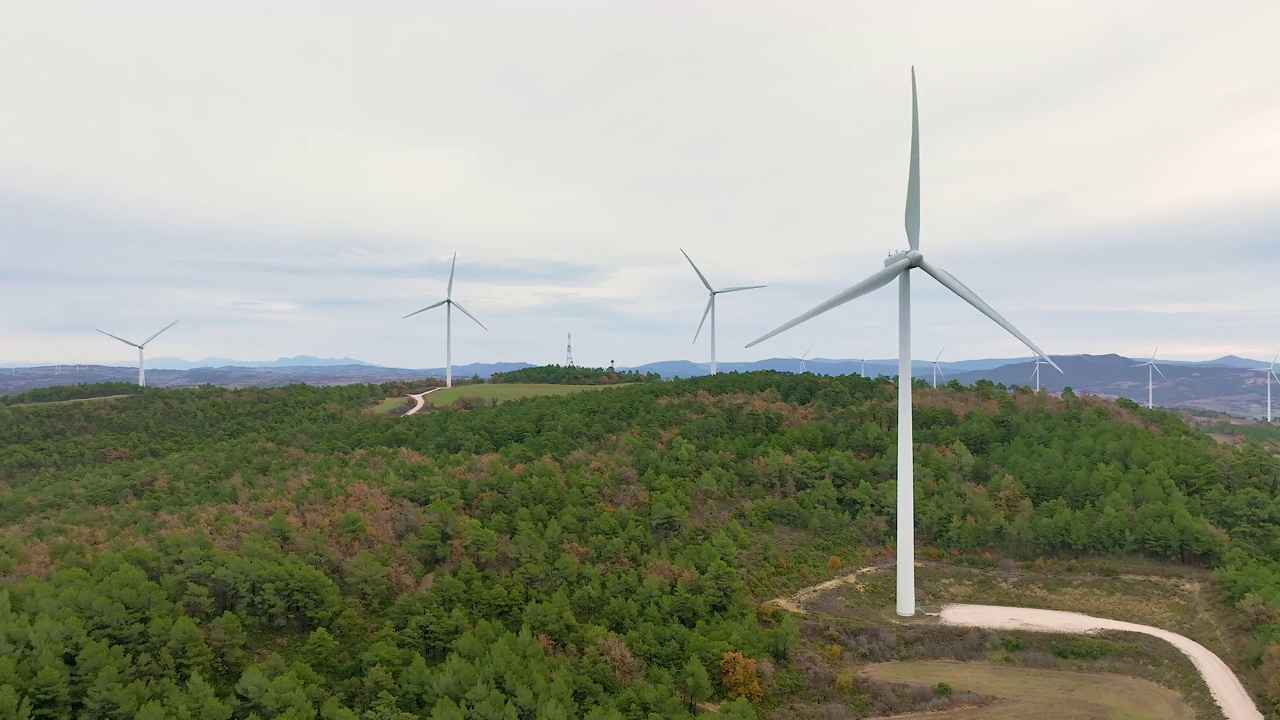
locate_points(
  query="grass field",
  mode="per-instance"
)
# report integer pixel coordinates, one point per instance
(504, 392)
(1034, 693)
(389, 405)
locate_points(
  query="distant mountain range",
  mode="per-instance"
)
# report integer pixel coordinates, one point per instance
(169, 363)
(1229, 384)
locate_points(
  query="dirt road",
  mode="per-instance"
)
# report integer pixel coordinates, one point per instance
(1223, 683)
(420, 401)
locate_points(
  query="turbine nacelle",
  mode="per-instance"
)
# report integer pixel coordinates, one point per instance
(914, 258)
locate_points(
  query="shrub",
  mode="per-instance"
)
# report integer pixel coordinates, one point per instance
(740, 677)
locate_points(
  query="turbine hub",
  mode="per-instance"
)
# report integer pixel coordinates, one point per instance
(914, 256)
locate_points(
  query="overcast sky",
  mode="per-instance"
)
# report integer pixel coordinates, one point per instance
(293, 177)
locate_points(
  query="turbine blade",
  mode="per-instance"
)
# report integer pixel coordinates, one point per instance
(1273, 360)
(1153, 353)
(806, 354)
(913, 178)
(701, 277)
(1274, 375)
(464, 312)
(940, 371)
(429, 307)
(875, 282)
(935, 360)
(1157, 367)
(745, 287)
(452, 267)
(1033, 372)
(153, 337)
(705, 313)
(126, 342)
(951, 283)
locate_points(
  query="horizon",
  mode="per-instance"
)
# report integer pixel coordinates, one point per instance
(132, 364)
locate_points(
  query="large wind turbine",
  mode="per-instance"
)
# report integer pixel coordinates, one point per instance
(899, 266)
(142, 372)
(449, 304)
(711, 307)
(1151, 365)
(1270, 371)
(1035, 374)
(938, 369)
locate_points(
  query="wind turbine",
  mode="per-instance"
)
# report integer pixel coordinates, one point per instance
(142, 372)
(864, 365)
(1270, 371)
(711, 307)
(449, 304)
(1151, 365)
(938, 369)
(802, 358)
(899, 266)
(1035, 374)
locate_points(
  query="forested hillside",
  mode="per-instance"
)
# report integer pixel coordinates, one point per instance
(279, 553)
(573, 375)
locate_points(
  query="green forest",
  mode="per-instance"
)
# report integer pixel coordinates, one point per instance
(573, 375)
(280, 553)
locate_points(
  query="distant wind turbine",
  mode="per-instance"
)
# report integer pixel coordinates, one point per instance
(937, 369)
(1035, 374)
(899, 266)
(711, 307)
(449, 304)
(1270, 371)
(802, 358)
(142, 372)
(864, 365)
(1151, 365)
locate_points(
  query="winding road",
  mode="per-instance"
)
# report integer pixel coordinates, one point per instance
(420, 401)
(1223, 684)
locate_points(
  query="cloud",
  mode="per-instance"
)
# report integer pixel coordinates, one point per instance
(292, 179)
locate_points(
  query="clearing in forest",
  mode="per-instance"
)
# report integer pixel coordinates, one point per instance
(503, 392)
(389, 405)
(1024, 692)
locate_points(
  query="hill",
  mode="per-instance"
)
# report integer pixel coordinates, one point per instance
(281, 552)
(1200, 386)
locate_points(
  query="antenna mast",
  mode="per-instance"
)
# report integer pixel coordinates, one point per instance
(568, 352)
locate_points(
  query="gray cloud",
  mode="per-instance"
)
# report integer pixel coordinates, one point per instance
(1100, 173)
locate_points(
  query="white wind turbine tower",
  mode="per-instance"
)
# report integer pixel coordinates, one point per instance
(711, 307)
(1270, 371)
(937, 369)
(1035, 374)
(864, 365)
(449, 304)
(142, 373)
(1151, 365)
(899, 266)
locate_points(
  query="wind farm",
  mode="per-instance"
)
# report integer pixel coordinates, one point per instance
(308, 503)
